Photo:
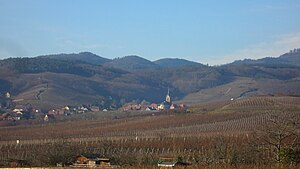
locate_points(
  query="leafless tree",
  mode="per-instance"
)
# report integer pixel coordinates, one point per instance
(280, 131)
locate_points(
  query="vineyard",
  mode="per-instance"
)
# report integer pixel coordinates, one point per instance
(152, 127)
(265, 103)
(207, 135)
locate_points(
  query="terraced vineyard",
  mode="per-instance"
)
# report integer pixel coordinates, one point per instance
(264, 103)
(239, 116)
(150, 126)
(197, 135)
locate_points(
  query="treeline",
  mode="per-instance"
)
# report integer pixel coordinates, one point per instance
(261, 70)
(38, 65)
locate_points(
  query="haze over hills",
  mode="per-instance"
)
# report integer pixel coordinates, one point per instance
(86, 78)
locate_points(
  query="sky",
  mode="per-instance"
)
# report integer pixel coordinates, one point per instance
(211, 32)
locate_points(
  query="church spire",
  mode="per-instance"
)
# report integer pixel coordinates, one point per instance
(168, 97)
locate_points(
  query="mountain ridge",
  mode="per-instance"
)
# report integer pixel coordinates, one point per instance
(131, 63)
(175, 62)
(87, 57)
(71, 81)
(290, 58)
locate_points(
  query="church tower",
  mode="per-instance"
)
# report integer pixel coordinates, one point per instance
(7, 95)
(168, 97)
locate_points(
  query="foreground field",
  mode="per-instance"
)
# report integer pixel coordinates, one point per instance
(215, 135)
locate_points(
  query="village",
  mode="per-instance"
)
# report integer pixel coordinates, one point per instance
(18, 113)
(167, 104)
(11, 112)
(95, 161)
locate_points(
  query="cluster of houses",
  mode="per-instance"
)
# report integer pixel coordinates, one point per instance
(167, 104)
(27, 112)
(70, 110)
(93, 161)
(18, 114)
(24, 112)
(12, 112)
(96, 162)
(6, 111)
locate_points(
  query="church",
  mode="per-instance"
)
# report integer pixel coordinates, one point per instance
(165, 105)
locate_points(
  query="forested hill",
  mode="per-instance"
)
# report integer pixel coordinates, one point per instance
(175, 62)
(128, 63)
(131, 63)
(87, 57)
(73, 79)
(40, 65)
(70, 82)
(291, 58)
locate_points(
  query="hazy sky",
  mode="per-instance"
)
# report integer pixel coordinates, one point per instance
(213, 32)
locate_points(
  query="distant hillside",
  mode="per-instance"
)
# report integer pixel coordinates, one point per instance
(290, 58)
(5, 86)
(46, 82)
(188, 79)
(243, 87)
(174, 62)
(250, 105)
(131, 63)
(86, 57)
(39, 65)
(293, 57)
(67, 79)
(282, 72)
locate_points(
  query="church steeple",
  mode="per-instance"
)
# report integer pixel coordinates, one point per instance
(168, 97)
(7, 95)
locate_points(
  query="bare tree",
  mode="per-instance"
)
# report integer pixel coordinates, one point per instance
(281, 131)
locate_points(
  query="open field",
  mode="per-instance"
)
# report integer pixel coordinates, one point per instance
(207, 135)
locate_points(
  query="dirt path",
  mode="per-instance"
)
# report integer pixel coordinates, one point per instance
(38, 95)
